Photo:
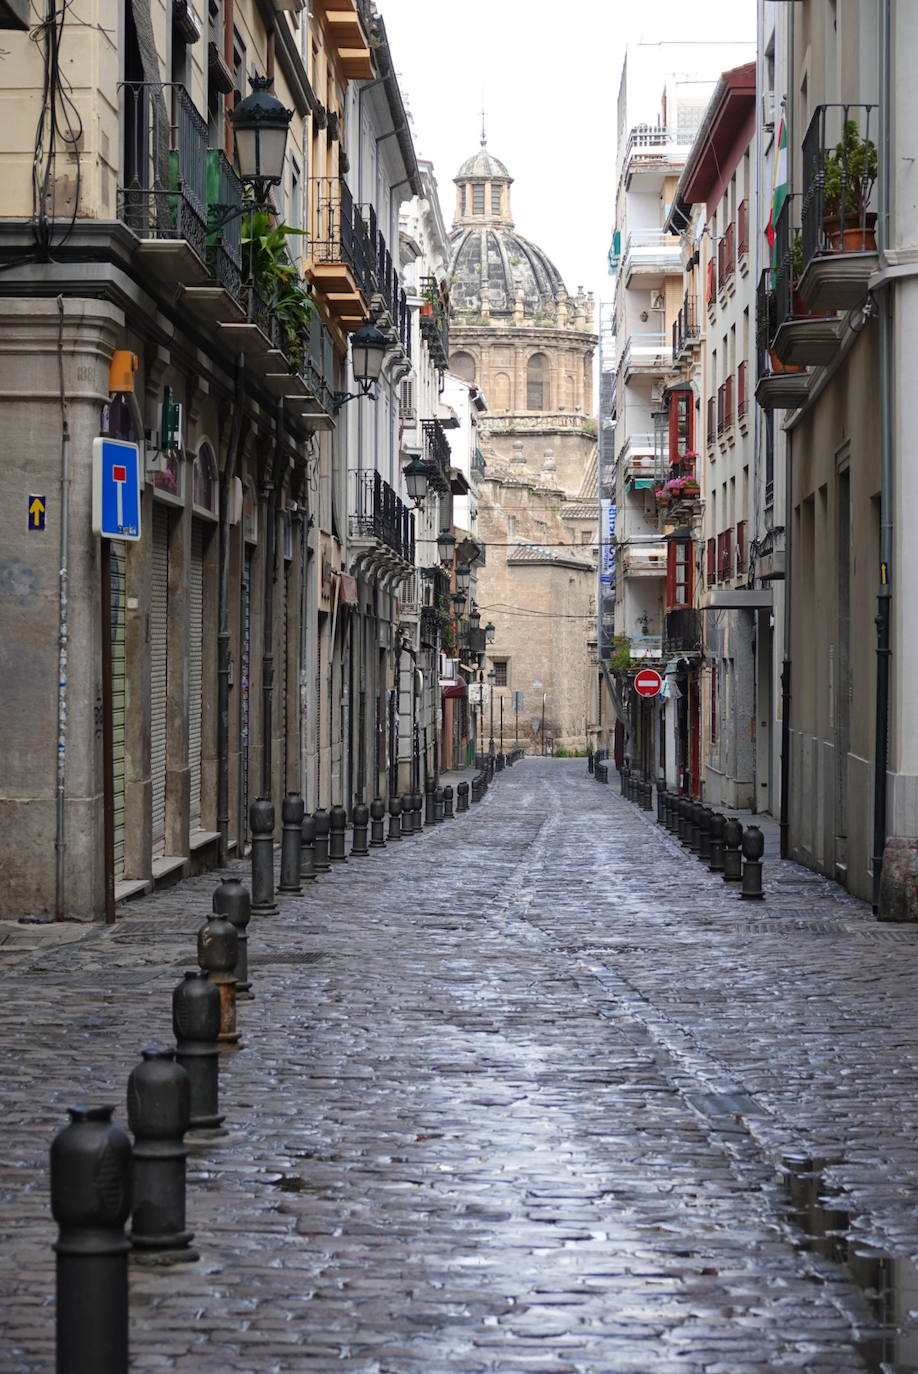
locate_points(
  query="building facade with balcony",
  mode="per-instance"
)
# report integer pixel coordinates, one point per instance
(176, 678)
(714, 209)
(518, 335)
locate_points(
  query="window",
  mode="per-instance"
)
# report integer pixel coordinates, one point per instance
(204, 481)
(681, 425)
(679, 573)
(295, 216)
(478, 200)
(712, 562)
(537, 397)
(500, 672)
(462, 200)
(463, 365)
(741, 546)
(495, 200)
(713, 701)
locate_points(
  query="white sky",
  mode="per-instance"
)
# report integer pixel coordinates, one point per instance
(547, 75)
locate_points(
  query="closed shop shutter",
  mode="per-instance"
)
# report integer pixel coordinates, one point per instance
(284, 679)
(118, 698)
(245, 655)
(195, 671)
(159, 632)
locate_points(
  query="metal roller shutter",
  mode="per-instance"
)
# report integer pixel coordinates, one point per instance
(195, 670)
(245, 652)
(159, 641)
(118, 699)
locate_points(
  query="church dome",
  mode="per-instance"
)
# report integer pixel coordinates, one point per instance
(494, 271)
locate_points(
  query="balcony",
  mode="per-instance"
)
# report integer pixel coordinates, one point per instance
(437, 455)
(646, 355)
(349, 24)
(653, 153)
(726, 257)
(800, 336)
(643, 558)
(682, 631)
(388, 301)
(779, 386)
(837, 224)
(686, 328)
(221, 299)
(770, 556)
(382, 526)
(651, 255)
(343, 257)
(434, 321)
(164, 191)
(742, 233)
(638, 461)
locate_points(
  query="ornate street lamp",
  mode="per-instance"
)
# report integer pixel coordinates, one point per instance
(490, 632)
(446, 543)
(474, 617)
(492, 678)
(368, 348)
(260, 123)
(415, 474)
(463, 577)
(458, 600)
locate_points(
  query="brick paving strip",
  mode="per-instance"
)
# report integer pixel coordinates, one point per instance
(512, 1096)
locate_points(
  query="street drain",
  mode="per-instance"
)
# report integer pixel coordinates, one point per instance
(888, 1340)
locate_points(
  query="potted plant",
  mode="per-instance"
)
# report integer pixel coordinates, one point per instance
(849, 174)
(428, 298)
(269, 270)
(662, 496)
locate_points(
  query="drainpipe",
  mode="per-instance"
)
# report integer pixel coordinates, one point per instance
(269, 488)
(884, 590)
(63, 630)
(223, 630)
(784, 815)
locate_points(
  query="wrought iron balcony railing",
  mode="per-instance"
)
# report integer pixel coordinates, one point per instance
(224, 246)
(434, 321)
(839, 174)
(686, 326)
(340, 234)
(382, 515)
(163, 190)
(682, 631)
(437, 455)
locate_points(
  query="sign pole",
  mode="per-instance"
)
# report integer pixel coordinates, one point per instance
(108, 725)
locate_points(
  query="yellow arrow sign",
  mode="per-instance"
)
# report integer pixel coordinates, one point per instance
(36, 513)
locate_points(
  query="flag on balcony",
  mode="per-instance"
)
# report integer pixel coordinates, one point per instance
(779, 187)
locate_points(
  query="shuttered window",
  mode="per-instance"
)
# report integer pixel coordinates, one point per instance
(159, 640)
(195, 672)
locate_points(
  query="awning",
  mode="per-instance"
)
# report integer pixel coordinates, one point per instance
(347, 593)
(453, 689)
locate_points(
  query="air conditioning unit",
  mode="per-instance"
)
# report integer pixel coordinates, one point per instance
(768, 109)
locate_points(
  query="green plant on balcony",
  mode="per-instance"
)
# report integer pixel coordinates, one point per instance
(267, 265)
(620, 657)
(849, 175)
(448, 639)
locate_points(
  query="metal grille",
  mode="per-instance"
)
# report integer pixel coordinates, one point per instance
(159, 643)
(195, 670)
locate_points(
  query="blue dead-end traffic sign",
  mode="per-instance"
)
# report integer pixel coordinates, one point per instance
(115, 489)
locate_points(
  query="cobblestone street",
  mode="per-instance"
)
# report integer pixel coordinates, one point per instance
(520, 1093)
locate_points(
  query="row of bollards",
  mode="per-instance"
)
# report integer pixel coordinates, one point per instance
(724, 843)
(100, 1179)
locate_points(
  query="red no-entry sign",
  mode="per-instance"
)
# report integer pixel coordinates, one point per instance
(648, 683)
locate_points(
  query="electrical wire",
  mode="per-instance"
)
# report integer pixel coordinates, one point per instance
(59, 131)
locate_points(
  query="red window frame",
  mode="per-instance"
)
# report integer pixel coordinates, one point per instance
(711, 289)
(712, 419)
(741, 391)
(712, 561)
(728, 402)
(741, 546)
(742, 227)
(681, 424)
(680, 574)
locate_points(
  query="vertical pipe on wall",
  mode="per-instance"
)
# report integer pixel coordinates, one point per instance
(269, 488)
(63, 629)
(223, 632)
(884, 589)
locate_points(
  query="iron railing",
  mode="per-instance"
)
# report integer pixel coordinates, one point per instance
(224, 245)
(839, 174)
(164, 187)
(318, 366)
(783, 269)
(382, 515)
(341, 235)
(686, 327)
(741, 391)
(434, 321)
(437, 455)
(742, 228)
(682, 631)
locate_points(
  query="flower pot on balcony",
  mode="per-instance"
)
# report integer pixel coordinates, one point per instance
(426, 308)
(778, 367)
(801, 311)
(663, 498)
(848, 235)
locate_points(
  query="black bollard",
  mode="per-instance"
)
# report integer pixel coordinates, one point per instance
(337, 834)
(476, 788)
(659, 801)
(462, 797)
(196, 1025)
(218, 950)
(359, 844)
(292, 811)
(499, 762)
(91, 1201)
(448, 813)
(704, 834)
(417, 812)
(377, 823)
(231, 899)
(753, 849)
(261, 824)
(159, 1111)
(733, 858)
(395, 818)
(694, 835)
(407, 813)
(439, 805)
(308, 849)
(429, 802)
(323, 827)
(716, 862)
(590, 760)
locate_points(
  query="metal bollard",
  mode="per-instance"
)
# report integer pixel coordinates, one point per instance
(591, 759)
(292, 811)
(476, 788)
(218, 950)
(499, 762)
(407, 813)
(733, 858)
(659, 801)
(91, 1201)
(159, 1111)
(694, 834)
(704, 834)
(716, 862)
(395, 818)
(648, 795)
(417, 813)
(323, 827)
(196, 1025)
(261, 824)
(448, 795)
(439, 805)
(336, 836)
(462, 797)
(308, 849)
(429, 802)
(377, 823)
(753, 849)
(231, 899)
(359, 844)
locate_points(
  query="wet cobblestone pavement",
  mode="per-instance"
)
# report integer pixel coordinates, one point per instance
(514, 1095)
